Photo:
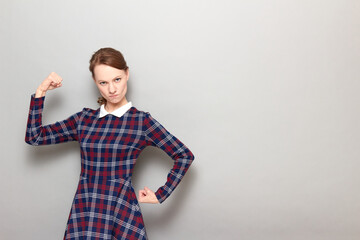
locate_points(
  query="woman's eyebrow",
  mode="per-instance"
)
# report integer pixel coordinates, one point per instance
(112, 79)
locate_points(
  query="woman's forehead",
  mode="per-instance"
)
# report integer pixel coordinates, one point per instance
(105, 72)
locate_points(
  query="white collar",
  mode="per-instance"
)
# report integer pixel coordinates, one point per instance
(117, 112)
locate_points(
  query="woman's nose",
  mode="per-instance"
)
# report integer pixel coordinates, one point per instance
(112, 88)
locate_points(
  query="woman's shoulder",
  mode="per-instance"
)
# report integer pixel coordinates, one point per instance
(144, 115)
(138, 112)
(89, 111)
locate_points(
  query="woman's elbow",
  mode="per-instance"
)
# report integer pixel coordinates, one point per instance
(31, 140)
(191, 156)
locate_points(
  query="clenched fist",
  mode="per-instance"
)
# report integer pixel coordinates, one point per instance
(147, 196)
(51, 82)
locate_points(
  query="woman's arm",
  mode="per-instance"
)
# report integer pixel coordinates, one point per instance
(58, 132)
(156, 135)
(61, 131)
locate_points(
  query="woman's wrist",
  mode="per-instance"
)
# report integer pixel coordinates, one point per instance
(39, 93)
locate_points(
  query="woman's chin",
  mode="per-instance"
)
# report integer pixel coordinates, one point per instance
(113, 100)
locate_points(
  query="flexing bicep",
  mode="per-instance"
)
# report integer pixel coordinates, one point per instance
(58, 132)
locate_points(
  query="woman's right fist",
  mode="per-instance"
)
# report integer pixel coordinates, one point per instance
(51, 82)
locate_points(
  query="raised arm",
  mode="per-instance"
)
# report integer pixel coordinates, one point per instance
(156, 135)
(58, 132)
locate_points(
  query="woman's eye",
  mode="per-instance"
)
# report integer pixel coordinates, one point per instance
(117, 79)
(101, 83)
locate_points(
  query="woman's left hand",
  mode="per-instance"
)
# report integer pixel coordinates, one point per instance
(147, 196)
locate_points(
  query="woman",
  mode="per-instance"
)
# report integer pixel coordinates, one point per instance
(111, 138)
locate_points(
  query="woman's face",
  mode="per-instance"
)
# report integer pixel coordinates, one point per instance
(111, 82)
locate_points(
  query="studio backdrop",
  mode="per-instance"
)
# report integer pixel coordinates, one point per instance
(264, 93)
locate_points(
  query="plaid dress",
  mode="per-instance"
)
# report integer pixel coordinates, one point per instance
(105, 205)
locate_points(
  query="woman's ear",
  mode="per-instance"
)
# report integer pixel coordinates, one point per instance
(127, 73)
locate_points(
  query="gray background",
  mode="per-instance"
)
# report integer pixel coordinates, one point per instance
(265, 94)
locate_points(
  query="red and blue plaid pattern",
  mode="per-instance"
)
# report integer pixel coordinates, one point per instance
(105, 204)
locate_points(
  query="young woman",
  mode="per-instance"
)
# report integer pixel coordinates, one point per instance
(111, 138)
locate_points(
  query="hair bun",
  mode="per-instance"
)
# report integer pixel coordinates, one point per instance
(101, 100)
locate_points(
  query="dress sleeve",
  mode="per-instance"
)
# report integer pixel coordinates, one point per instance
(156, 135)
(58, 132)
